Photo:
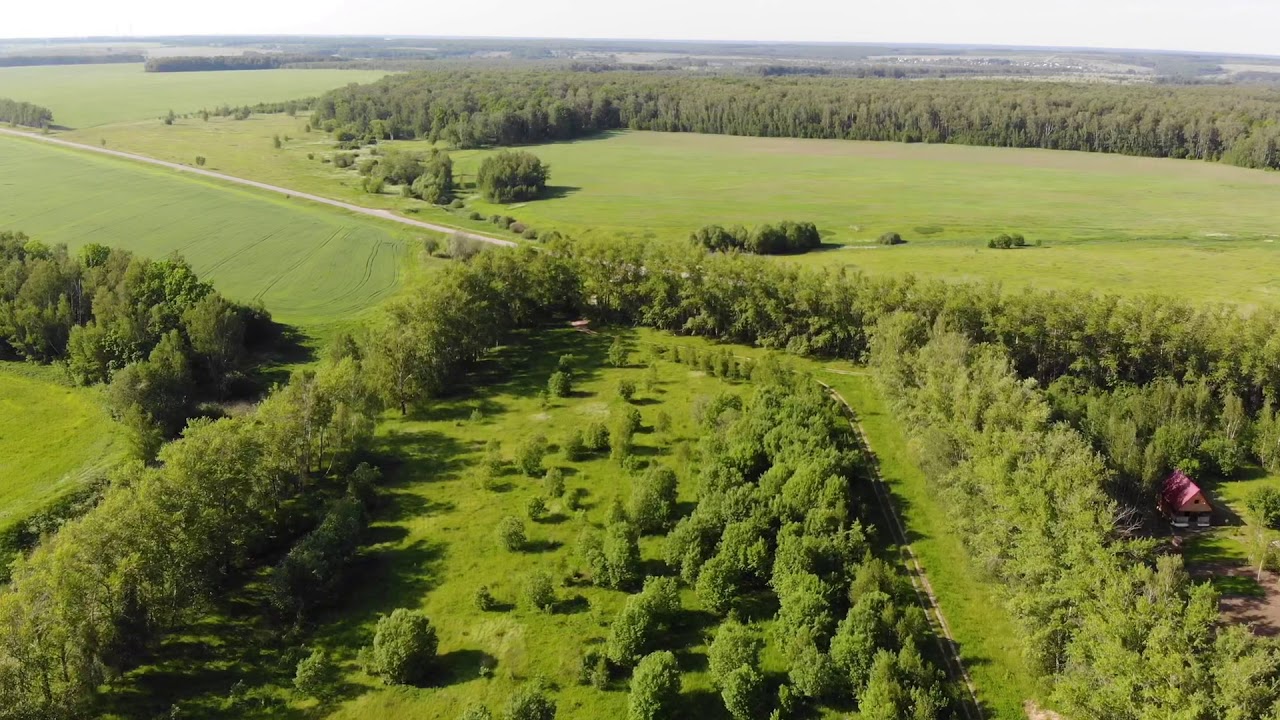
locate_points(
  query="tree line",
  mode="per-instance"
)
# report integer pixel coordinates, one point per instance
(18, 112)
(247, 61)
(70, 59)
(473, 107)
(785, 238)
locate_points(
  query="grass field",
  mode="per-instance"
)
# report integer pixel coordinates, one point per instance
(82, 96)
(1204, 231)
(309, 264)
(51, 436)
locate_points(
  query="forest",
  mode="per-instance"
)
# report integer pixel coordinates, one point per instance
(17, 112)
(247, 61)
(473, 107)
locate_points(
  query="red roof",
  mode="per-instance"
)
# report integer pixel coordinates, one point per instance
(1178, 491)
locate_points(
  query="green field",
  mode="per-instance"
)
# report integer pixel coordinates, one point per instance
(51, 436)
(1126, 224)
(86, 95)
(308, 263)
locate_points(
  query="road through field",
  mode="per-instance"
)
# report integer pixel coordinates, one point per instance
(373, 212)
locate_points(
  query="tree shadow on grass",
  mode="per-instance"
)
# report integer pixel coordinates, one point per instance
(572, 606)
(460, 666)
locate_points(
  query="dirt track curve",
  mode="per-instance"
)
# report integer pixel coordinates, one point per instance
(372, 212)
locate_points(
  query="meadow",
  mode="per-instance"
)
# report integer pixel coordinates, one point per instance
(308, 264)
(82, 96)
(1125, 224)
(52, 437)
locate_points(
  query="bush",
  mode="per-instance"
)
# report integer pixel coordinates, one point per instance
(517, 227)
(626, 389)
(317, 676)
(344, 160)
(617, 355)
(540, 591)
(536, 508)
(1264, 503)
(404, 644)
(457, 204)
(464, 248)
(573, 500)
(593, 669)
(483, 599)
(529, 455)
(655, 688)
(529, 234)
(891, 238)
(560, 384)
(575, 448)
(553, 482)
(743, 693)
(473, 215)
(621, 556)
(1005, 241)
(511, 533)
(476, 712)
(735, 645)
(512, 176)
(596, 436)
(530, 702)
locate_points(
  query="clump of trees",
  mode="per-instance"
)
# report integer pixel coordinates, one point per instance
(786, 238)
(17, 112)
(1006, 241)
(512, 176)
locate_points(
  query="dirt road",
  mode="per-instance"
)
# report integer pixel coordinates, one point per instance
(372, 212)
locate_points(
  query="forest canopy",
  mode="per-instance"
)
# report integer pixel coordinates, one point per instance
(472, 108)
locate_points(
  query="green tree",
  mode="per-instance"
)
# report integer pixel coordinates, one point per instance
(529, 455)
(553, 482)
(655, 688)
(743, 692)
(404, 646)
(626, 389)
(617, 354)
(511, 533)
(735, 645)
(560, 384)
(216, 331)
(531, 702)
(540, 591)
(317, 676)
(621, 556)
(512, 176)
(653, 500)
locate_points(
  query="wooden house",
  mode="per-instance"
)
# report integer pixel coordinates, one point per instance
(1183, 502)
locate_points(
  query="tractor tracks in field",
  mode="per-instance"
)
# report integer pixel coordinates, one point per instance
(290, 194)
(947, 644)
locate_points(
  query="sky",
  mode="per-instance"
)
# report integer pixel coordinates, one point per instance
(1231, 26)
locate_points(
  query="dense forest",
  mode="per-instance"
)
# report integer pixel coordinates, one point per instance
(248, 61)
(471, 108)
(17, 112)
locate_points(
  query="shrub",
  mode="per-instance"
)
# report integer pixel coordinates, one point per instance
(593, 669)
(560, 384)
(662, 423)
(311, 156)
(473, 215)
(317, 675)
(200, 161)
(553, 482)
(891, 238)
(344, 160)
(476, 712)
(1264, 503)
(575, 447)
(530, 702)
(536, 508)
(573, 500)
(529, 234)
(373, 185)
(404, 644)
(626, 389)
(743, 693)
(617, 355)
(529, 455)
(457, 204)
(655, 688)
(596, 436)
(540, 591)
(517, 227)
(511, 533)
(483, 599)
(1005, 241)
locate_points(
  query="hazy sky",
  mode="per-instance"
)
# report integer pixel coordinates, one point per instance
(1245, 26)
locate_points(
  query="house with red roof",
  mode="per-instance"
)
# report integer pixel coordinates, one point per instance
(1183, 502)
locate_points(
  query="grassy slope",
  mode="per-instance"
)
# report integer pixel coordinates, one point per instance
(51, 434)
(1128, 224)
(87, 95)
(307, 263)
